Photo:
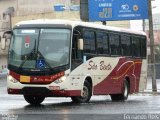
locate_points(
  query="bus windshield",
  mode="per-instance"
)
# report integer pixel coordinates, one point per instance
(31, 45)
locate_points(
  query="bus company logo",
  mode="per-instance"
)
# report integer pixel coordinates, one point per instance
(125, 8)
(100, 66)
(135, 7)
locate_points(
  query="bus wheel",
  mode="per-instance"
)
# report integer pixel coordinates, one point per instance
(87, 93)
(124, 95)
(34, 100)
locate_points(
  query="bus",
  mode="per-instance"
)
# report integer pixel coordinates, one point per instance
(63, 58)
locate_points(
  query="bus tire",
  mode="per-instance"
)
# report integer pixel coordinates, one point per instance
(87, 93)
(124, 95)
(34, 100)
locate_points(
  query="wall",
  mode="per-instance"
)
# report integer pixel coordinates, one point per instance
(3, 64)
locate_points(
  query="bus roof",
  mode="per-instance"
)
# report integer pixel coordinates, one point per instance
(79, 23)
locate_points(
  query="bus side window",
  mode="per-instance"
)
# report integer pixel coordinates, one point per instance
(76, 54)
(74, 47)
(143, 47)
(136, 47)
(89, 42)
(125, 45)
(114, 44)
(99, 43)
(105, 44)
(102, 43)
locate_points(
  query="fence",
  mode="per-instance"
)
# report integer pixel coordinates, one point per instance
(157, 70)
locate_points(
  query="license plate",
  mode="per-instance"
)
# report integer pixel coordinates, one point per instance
(25, 79)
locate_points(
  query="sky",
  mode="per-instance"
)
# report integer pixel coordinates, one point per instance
(137, 24)
(156, 6)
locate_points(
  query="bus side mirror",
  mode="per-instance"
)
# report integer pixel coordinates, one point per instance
(80, 44)
(6, 36)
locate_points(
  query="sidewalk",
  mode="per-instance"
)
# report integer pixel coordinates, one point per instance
(149, 86)
(3, 75)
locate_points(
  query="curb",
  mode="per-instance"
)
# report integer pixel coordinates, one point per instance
(151, 92)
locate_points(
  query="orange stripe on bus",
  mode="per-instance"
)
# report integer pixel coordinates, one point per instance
(115, 78)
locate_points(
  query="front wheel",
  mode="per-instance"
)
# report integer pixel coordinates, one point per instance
(87, 93)
(124, 95)
(34, 100)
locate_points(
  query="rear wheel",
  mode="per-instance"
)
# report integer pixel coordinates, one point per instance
(124, 95)
(87, 93)
(34, 100)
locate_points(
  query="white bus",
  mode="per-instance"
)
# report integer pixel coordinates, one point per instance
(62, 58)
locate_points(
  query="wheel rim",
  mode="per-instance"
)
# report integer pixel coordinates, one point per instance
(125, 90)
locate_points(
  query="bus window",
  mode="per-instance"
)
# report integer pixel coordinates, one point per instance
(102, 43)
(89, 42)
(76, 54)
(125, 45)
(143, 47)
(136, 47)
(114, 44)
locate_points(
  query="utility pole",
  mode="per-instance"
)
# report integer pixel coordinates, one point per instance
(144, 24)
(151, 36)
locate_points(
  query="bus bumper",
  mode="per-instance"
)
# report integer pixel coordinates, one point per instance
(44, 92)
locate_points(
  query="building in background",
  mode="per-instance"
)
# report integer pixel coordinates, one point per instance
(4, 25)
(34, 9)
(156, 28)
(138, 25)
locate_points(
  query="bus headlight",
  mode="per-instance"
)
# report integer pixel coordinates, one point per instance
(11, 79)
(60, 80)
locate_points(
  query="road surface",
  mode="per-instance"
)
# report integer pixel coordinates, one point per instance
(142, 105)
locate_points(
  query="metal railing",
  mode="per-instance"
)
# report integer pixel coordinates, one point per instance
(157, 70)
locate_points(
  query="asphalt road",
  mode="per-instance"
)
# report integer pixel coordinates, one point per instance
(143, 106)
